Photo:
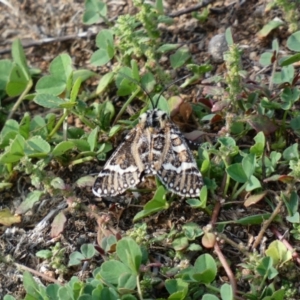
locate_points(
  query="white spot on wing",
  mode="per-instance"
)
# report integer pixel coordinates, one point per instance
(117, 169)
(184, 166)
(179, 148)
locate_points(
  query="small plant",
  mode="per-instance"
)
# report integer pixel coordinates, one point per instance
(55, 256)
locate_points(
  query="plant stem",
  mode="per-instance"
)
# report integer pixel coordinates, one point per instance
(239, 191)
(266, 224)
(227, 182)
(125, 105)
(139, 290)
(58, 124)
(20, 99)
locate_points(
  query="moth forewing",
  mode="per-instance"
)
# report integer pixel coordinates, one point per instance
(177, 168)
(124, 168)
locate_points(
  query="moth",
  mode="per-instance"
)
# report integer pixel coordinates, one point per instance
(154, 147)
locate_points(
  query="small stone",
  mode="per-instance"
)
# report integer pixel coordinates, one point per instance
(216, 47)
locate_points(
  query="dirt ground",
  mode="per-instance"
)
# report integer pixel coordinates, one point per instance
(49, 28)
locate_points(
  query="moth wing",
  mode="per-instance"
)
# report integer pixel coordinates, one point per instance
(125, 168)
(177, 168)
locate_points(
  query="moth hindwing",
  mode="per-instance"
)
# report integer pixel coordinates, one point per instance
(154, 147)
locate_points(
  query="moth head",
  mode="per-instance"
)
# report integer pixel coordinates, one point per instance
(153, 119)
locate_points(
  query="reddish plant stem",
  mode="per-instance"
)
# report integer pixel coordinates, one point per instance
(226, 268)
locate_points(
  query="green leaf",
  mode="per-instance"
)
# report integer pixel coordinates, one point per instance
(293, 41)
(290, 60)
(112, 270)
(192, 230)
(195, 203)
(17, 81)
(253, 220)
(180, 57)
(29, 201)
(94, 10)
(127, 282)
(275, 45)
(162, 103)
(209, 297)
(61, 67)
(36, 147)
(105, 38)
(148, 82)
(279, 253)
(85, 181)
(205, 269)
(38, 126)
(48, 100)
(75, 258)
(30, 286)
(62, 148)
(203, 196)
(266, 268)
(277, 295)
(252, 184)
(58, 183)
(227, 142)
(14, 152)
(50, 85)
(100, 57)
(265, 59)
(104, 82)
(83, 74)
(295, 218)
(52, 291)
(228, 36)
(265, 31)
(19, 57)
(295, 123)
(226, 292)
(180, 243)
(167, 47)
(88, 250)
(130, 254)
(236, 172)
(5, 69)
(9, 297)
(289, 96)
(159, 6)
(291, 153)
(156, 204)
(24, 128)
(75, 90)
(114, 130)
(9, 131)
(177, 288)
(248, 164)
(45, 254)
(286, 74)
(258, 147)
(92, 138)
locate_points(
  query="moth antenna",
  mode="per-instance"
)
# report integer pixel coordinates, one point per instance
(165, 88)
(140, 85)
